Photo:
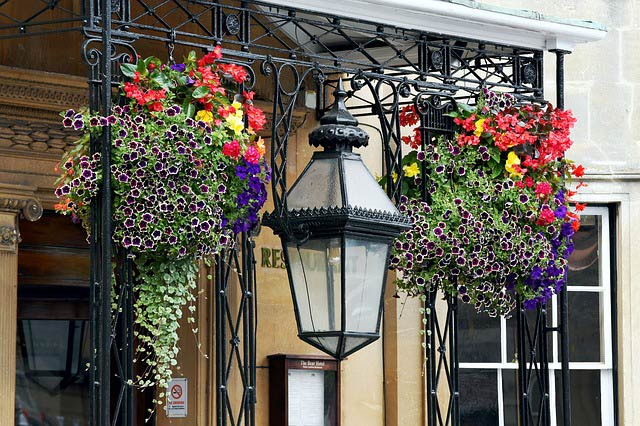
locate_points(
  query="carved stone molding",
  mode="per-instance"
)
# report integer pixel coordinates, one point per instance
(9, 238)
(30, 94)
(16, 200)
(30, 208)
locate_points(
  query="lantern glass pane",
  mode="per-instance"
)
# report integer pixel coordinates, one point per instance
(352, 343)
(329, 343)
(319, 186)
(366, 269)
(363, 190)
(316, 274)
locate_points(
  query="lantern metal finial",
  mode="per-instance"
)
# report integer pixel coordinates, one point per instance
(338, 130)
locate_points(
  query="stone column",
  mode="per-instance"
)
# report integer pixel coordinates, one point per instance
(15, 200)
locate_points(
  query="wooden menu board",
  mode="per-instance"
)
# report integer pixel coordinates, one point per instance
(304, 391)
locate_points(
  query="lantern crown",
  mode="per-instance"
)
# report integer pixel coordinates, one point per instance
(339, 129)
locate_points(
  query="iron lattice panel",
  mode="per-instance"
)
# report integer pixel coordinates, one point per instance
(39, 17)
(235, 328)
(533, 367)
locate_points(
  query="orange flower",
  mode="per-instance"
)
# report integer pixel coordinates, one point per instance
(63, 206)
(261, 147)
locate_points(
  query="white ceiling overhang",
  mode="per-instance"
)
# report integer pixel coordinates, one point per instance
(463, 18)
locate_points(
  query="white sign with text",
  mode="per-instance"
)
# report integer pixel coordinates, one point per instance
(177, 398)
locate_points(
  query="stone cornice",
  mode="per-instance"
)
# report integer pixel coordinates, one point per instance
(30, 106)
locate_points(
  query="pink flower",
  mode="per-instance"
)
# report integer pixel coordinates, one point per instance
(546, 217)
(543, 189)
(232, 149)
(252, 155)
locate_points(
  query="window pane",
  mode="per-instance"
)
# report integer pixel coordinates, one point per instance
(512, 331)
(510, 397)
(584, 262)
(479, 336)
(478, 397)
(584, 327)
(585, 398)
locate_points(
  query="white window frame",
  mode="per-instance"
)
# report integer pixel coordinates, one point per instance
(606, 338)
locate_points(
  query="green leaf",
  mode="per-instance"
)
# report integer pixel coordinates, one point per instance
(141, 67)
(497, 170)
(410, 158)
(190, 110)
(495, 155)
(162, 80)
(466, 107)
(128, 70)
(200, 92)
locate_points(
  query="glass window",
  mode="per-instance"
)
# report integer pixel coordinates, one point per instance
(488, 358)
(51, 374)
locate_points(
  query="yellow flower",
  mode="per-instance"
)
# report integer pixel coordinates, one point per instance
(479, 127)
(235, 123)
(205, 116)
(412, 170)
(513, 160)
(238, 107)
(394, 176)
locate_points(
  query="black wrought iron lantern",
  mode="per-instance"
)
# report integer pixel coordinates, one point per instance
(336, 238)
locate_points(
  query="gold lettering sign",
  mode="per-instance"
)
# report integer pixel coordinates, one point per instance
(272, 258)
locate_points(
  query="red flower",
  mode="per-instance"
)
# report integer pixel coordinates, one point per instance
(413, 141)
(528, 181)
(408, 116)
(580, 207)
(232, 149)
(255, 117)
(237, 72)
(575, 225)
(468, 140)
(223, 112)
(155, 106)
(468, 124)
(248, 95)
(211, 57)
(578, 171)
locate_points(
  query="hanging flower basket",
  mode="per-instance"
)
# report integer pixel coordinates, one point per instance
(187, 174)
(495, 224)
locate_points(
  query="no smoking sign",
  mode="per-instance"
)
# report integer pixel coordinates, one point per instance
(176, 391)
(177, 398)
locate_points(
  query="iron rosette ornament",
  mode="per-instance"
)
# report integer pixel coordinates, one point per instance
(496, 223)
(188, 173)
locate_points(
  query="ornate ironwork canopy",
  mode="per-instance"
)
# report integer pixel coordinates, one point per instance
(290, 50)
